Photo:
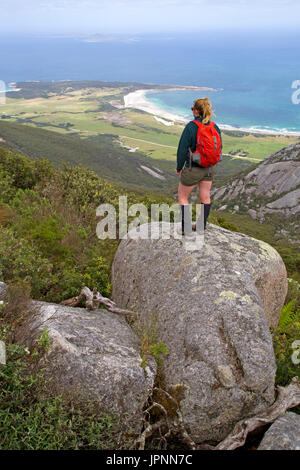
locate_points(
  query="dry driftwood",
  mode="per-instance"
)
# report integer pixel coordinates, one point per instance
(175, 427)
(288, 397)
(94, 299)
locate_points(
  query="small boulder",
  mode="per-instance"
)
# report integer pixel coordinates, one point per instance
(252, 213)
(284, 434)
(95, 355)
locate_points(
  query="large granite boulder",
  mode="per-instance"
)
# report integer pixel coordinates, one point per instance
(213, 308)
(284, 434)
(93, 354)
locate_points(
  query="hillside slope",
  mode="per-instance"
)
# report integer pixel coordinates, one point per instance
(271, 191)
(101, 155)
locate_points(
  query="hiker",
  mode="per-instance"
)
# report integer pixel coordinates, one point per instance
(199, 149)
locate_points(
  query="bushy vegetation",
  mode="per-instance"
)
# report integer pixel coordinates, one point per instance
(48, 226)
(286, 338)
(30, 419)
(49, 250)
(99, 153)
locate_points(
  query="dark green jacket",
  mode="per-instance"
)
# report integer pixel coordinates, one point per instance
(188, 140)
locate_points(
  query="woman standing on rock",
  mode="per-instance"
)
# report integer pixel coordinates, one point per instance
(199, 149)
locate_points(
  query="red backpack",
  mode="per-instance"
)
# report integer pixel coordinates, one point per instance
(209, 145)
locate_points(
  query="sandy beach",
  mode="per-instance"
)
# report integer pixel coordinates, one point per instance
(138, 100)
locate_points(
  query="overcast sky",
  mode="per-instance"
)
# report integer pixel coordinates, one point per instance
(145, 16)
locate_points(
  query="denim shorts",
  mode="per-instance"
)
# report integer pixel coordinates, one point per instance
(192, 176)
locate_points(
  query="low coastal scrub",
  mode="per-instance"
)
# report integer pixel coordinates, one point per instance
(31, 418)
(286, 338)
(32, 415)
(48, 226)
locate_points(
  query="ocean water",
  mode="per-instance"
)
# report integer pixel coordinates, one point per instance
(252, 73)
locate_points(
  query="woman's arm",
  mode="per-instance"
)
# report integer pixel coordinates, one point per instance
(186, 141)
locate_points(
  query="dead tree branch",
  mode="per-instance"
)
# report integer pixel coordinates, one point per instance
(94, 299)
(176, 427)
(288, 397)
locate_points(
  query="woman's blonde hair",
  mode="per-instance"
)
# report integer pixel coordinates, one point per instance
(203, 105)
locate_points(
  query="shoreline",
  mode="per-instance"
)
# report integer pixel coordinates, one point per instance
(137, 100)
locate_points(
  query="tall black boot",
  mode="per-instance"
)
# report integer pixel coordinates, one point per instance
(186, 220)
(206, 213)
(205, 208)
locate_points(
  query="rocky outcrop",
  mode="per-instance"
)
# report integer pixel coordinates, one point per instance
(94, 355)
(213, 307)
(284, 434)
(272, 188)
(290, 201)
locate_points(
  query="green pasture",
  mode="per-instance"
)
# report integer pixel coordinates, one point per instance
(257, 147)
(88, 112)
(156, 151)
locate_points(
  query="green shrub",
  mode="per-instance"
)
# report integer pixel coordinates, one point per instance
(8, 191)
(157, 350)
(32, 419)
(225, 224)
(293, 292)
(291, 260)
(285, 345)
(21, 260)
(70, 279)
(20, 172)
(288, 316)
(50, 223)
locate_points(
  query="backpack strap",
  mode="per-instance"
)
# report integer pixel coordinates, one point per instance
(201, 123)
(200, 126)
(198, 123)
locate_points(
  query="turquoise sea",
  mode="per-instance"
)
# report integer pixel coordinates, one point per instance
(256, 109)
(252, 73)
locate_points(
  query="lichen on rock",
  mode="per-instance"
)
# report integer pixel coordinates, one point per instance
(218, 338)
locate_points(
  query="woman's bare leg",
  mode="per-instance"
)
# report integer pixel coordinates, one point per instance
(183, 194)
(204, 191)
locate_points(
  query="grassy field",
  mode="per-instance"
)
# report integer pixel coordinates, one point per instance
(92, 110)
(257, 147)
(98, 153)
